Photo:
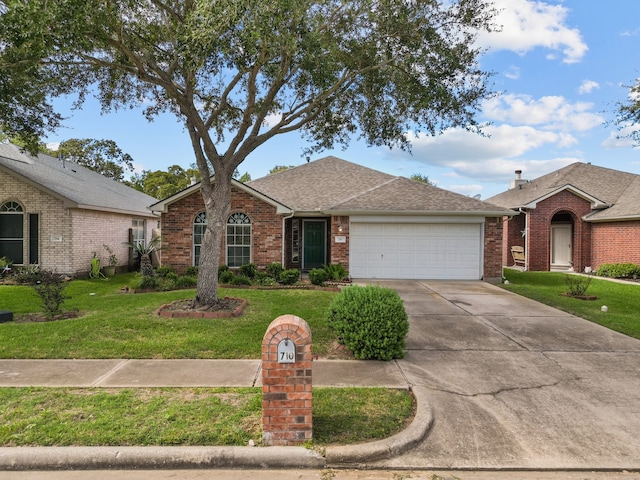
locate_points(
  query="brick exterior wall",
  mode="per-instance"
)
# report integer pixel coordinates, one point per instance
(68, 237)
(177, 230)
(615, 242)
(537, 242)
(492, 249)
(512, 237)
(287, 396)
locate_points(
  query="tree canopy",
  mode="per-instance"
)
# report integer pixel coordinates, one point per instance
(102, 156)
(240, 72)
(418, 177)
(629, 113)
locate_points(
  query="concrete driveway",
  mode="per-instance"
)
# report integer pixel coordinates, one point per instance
(515, 384)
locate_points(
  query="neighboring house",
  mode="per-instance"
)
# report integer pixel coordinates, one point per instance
(332, 211)
(576, 217)
(56, 214)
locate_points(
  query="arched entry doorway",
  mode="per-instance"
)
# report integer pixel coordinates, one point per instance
(562, 240)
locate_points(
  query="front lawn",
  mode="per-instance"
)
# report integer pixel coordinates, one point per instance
(113, 324)
(622, 300)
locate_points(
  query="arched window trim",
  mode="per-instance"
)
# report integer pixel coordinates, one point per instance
(12, 235)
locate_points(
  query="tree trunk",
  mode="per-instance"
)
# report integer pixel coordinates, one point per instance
(217, 208)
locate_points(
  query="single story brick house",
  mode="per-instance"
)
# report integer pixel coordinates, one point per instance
(332, 211)
(56, 214)
(576, 217)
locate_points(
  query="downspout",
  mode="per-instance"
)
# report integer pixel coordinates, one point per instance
(284, 240)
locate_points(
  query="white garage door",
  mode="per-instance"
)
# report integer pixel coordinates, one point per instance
(416, 251)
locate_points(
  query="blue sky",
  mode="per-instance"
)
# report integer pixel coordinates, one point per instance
(561, 68)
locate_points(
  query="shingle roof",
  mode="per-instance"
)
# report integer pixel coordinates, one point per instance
(77, 186)
(333, 185)
(619, 191)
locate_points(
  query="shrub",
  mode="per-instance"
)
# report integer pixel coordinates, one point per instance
(370, 321)
(318, 276)
(618, 270)
(577, 285)
(29, 274)
(289, 277)
(186, 282)
(240, 280)
(148, 283)
(336, 272)
(222, 269)
(248, 270)
(5, 266)
(50, 288)
(164, 271)
(226, 276)
(191, 272)
(274, 270)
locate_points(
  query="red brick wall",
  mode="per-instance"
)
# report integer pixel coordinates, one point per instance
(615, 242)
(493, 248)
(538, 240)
(177, 230)
(512, 236)
(339, 252)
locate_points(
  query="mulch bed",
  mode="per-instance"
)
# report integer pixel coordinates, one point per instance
(580, 297)
(226, 307)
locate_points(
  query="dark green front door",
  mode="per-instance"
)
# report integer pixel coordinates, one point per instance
(314, 240)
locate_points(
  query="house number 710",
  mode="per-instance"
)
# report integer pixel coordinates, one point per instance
(286, 351)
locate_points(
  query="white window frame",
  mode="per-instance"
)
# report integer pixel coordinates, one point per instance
(239, 228)
(199, 222)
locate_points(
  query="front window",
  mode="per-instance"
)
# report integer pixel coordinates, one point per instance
(11, 232)
(138, 232)
(199, 226)
(238, 240)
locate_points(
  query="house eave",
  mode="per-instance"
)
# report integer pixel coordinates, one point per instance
(620, 218)
(430, 213)
(596, 204)
(134, 213)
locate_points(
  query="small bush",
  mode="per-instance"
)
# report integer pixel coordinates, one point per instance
(148, 283)
(249, 270)
(240, 280)
(265, 281)
(191, 272)
(370, 321)
(226, 276)
(577, 285)
(186, 282)
(29, 274)
(221, 270)
(336, 272)
(274, 270)
(164, 271)
(50, 288)
(619, 270)
(318, 276)
(289, 277)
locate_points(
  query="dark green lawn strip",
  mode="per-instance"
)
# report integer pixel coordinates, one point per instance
(622, 300)
(186, 416)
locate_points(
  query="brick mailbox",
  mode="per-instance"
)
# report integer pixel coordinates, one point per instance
(286, 382)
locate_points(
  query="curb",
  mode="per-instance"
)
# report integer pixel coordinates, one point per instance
(356, 455)
(149, 458)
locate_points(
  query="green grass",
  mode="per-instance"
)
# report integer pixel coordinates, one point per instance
(124, 325)
(186, 416)
(621, 299)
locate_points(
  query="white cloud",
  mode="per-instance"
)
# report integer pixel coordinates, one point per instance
(587, 86)
(529, 24)
(53, 146)
(621, 138)
(549, 112)
(512, 73)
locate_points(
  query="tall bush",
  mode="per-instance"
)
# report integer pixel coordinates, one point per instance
(50, 288)
(370, 321)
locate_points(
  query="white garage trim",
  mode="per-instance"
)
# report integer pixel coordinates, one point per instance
(444, 250)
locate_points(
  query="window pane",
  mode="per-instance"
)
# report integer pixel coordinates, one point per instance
(11, 225)
(12, 249)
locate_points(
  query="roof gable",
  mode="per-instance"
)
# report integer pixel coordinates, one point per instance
(76, 186)
(603, 187)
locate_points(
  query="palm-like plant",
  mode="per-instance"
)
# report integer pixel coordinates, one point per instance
(144, 251)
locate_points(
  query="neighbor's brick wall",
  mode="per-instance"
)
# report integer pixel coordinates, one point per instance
(54, 222)
(93, 229)
(538, 246)
(492, 248)
(177, 230)
(615, 242)
(512, 237)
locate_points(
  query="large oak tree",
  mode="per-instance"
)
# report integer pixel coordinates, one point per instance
(239, 72)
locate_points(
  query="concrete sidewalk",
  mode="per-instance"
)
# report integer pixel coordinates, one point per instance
(187, 373)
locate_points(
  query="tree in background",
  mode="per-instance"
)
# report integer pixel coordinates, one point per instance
(102, 156)
(240, 72)
(629, 114)
(418, 177)
(280, 168)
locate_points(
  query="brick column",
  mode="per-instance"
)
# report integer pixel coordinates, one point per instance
(286, 382)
